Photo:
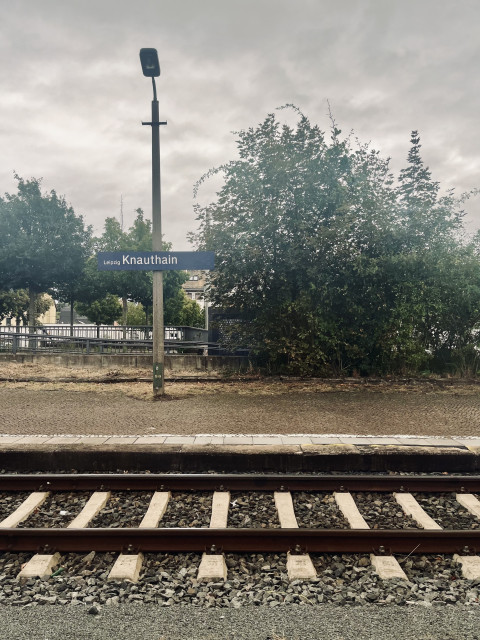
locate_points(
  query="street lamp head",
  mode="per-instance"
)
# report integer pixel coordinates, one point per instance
(150, 63)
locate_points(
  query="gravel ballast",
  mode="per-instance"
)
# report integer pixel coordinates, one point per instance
(188, 510)
(382, 511)
(446, 511)
(253, 579)
(317, 510)
(252, 511)
(123, 509)
(9, 502)
(58, 510)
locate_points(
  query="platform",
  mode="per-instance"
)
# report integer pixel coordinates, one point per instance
(229, 452)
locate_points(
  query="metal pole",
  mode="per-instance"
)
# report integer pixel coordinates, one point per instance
(158, 329)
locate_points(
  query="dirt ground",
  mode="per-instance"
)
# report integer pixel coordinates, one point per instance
(262, 406)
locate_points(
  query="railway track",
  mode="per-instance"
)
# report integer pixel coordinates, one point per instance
(360, 537)
(171, 533)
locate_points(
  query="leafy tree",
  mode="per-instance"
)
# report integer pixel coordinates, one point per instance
(332, 266)
(136, 286)
(104, 311)
(136, 315)
(43, 244)
(180, 310)
(15, 304)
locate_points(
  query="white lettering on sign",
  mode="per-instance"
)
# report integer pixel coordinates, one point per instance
(155, 259)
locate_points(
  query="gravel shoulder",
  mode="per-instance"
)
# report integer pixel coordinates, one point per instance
(249, 623)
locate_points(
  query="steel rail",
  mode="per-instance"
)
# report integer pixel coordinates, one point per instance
(235, 482)
(240, 540)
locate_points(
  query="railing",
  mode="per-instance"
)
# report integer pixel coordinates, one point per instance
(108, 331)
(177, 340)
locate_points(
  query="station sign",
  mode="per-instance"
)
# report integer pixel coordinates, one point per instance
(156, 260)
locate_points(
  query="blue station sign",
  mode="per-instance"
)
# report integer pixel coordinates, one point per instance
(155, 260)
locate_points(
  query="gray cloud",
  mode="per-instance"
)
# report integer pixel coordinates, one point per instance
(73, 95)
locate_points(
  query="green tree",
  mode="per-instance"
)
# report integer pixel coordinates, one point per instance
(43, 244)
(136, 315)
(330, 264)
(104, 311)
(14, 303)
(135, 286)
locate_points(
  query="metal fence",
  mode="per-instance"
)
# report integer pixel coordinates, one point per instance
(57, 339)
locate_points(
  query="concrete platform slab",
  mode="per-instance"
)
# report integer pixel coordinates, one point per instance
(324, 440)
(62, 440)
(156, 440)
(179, 439)
(238, 440)
(206, 440)
(280, 452)
(26, 440)
(92, 440)
(271, 440)
(9, 439)
(121, 440)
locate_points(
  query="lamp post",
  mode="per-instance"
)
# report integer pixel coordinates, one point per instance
(151, 69)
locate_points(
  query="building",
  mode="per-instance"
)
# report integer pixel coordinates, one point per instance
(194, 287)
(49, 317)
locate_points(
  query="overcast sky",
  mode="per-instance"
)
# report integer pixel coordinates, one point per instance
(72, 93)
